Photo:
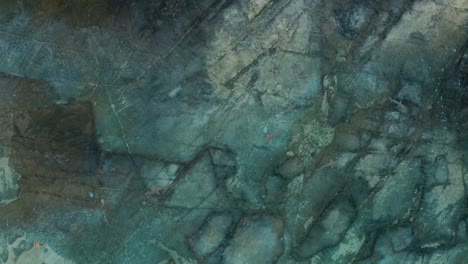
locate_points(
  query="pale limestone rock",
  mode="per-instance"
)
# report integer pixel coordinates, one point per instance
(257, 6)
(41, 254)
(248, 56)
(8, 185)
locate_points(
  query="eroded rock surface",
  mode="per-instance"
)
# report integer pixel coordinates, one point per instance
(247, 131)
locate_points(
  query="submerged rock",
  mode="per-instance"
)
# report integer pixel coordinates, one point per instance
(9, 189)
(344, 120)
(212, 234)
(257, 240)
(329, 230)
(291, 168)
